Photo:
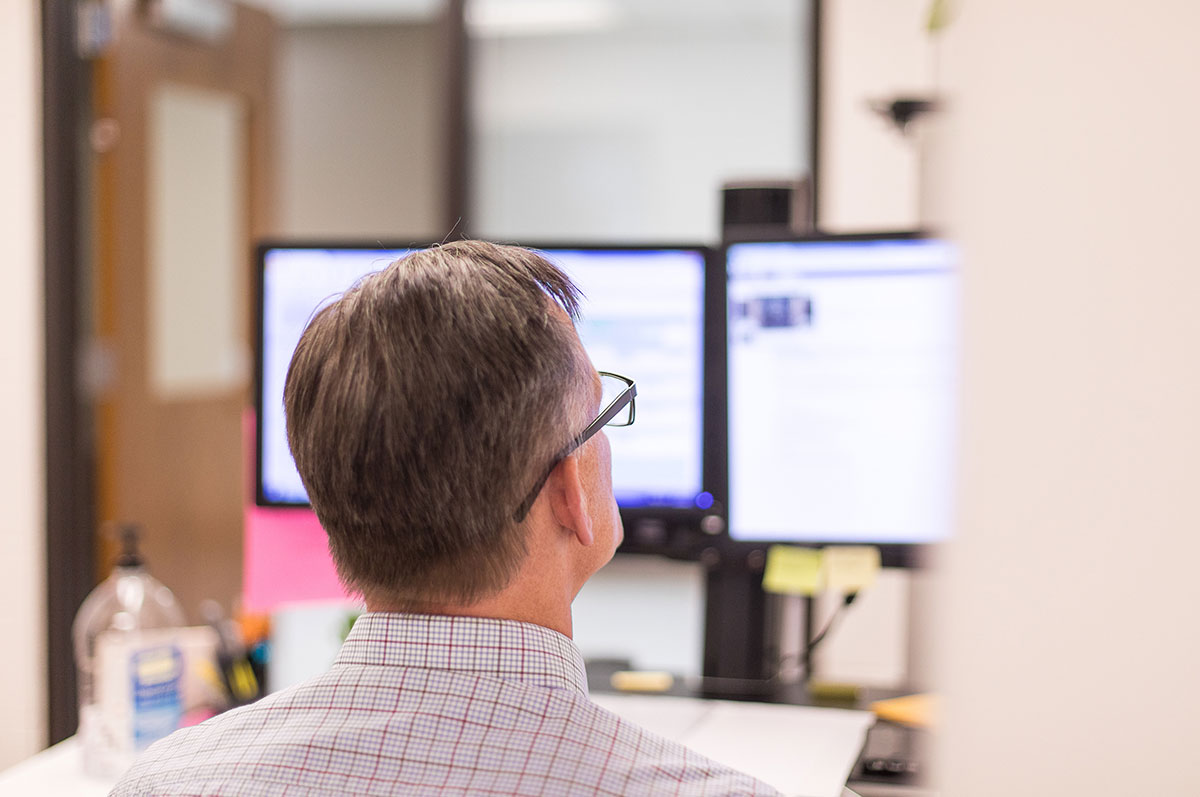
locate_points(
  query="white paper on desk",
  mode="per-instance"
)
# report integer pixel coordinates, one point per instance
(669, 717)
(800, 750)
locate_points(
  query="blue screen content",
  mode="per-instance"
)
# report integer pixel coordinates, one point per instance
(642, 315)
(841, 385)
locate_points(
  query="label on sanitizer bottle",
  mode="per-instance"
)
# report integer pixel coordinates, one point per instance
(156, 684)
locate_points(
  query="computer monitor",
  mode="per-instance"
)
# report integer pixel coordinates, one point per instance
(642, 314)
(841, 358)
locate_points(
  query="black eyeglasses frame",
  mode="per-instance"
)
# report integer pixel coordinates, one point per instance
(614, 408)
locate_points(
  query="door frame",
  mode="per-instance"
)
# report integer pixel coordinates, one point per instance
(70, 511)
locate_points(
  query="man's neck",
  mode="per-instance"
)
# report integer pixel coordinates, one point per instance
(540, 592)
(506, 605)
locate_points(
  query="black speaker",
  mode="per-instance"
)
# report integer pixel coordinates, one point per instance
(753, 210)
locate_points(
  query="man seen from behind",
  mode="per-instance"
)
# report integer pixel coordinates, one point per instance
(447, 424)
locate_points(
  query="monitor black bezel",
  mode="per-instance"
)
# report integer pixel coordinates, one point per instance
(901, 555)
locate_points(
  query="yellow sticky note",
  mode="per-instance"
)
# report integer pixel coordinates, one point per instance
(792, 570)
(851, 568)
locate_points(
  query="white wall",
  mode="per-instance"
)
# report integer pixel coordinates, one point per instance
(360, 132)
(22, 430)
(644, 609)
(629, 133)
(1070, 170)
(870, 173)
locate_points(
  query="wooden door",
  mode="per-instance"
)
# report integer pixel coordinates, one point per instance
(181, 188)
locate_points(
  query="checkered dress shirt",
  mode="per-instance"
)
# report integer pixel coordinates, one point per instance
(425, 705)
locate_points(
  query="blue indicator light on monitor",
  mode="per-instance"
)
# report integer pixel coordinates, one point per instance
(704, 501)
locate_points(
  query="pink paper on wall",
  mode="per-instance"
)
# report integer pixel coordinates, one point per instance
(286, 559)
(285, 550)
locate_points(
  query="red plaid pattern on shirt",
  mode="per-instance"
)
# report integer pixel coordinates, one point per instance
(432, 705)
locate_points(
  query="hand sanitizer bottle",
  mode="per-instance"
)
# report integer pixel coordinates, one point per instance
(129, 662)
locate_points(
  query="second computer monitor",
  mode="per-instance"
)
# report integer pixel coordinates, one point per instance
(841, 386)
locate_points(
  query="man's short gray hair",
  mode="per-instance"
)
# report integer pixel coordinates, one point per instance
(421, 405)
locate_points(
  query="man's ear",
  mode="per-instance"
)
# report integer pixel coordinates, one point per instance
(568, 500)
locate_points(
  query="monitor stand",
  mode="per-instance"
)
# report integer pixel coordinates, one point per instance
(735, 625)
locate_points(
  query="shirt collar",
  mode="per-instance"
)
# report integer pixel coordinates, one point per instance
(505, 649)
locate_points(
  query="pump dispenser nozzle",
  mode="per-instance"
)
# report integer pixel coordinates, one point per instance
(130, 556)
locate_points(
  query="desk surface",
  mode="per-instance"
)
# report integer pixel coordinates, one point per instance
(54, 772)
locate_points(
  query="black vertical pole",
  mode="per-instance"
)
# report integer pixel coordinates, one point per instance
(457, 198)
(735, 617)
(806, 638)
(816, 53)
(70, 561)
